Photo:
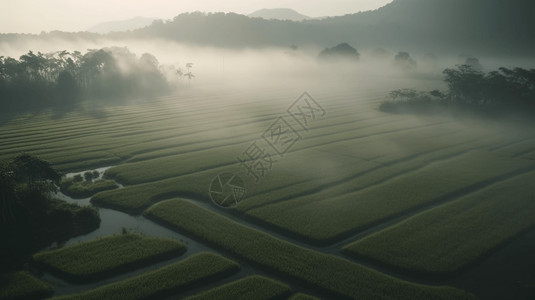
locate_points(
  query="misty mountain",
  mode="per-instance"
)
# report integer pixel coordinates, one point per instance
(124, 25)
(468, 25)
(443, 27)
(278, 14)
(422, 26)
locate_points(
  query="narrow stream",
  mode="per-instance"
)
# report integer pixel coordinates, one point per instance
(482, 279)
(113, 221)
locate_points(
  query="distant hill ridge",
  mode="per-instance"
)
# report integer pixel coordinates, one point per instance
(451, 27)
(124, 25)
(438, 26)
(278, 14)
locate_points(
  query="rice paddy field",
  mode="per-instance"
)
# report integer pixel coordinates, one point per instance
(23, 285)
(353, 204)
(252, 287)
(96, 259)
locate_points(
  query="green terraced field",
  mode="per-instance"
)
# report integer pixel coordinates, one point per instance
(300, 296)
(135, 198)
(449, 237)
(173, 166)
(319, 270)
(107, 256)
(330, 218)
(22, 285)
(354, 169)
(252, 287)
(188, 273)
(363, 173)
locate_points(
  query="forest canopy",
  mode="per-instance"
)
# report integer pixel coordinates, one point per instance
(470, 89)
(62, 79)
(30, 217)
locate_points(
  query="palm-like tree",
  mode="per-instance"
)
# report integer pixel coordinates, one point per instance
(189, 74)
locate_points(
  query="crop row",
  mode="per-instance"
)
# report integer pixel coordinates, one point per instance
(107, 256)
(251, 287)
(330, 219)
(283, 174)
(191, 272)
(288, 178)
(349, 172)
(177, 165)
(22, 285)
(322, 271)
(451, 236)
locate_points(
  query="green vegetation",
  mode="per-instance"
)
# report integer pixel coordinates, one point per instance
(172, 166)
(404, 61)
(340, 52)
(450, 237)
(30, 217)
(84, 189)
(379, 164)
(300, 296)
(353, 169)
(137, 197)
(108, 256)
(61, 79)
(329, 219)
(284, 181)
(65, 220)
(410, 100)
(469, 89)
(322, 271)
(191, 272)
(134, 199)
(22, 285)
(252, 287)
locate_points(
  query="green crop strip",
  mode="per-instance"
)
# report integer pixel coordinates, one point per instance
(326, 272)
(451, 236)
(108, 256)
(252, 287)
(189, 273)
(22, 285)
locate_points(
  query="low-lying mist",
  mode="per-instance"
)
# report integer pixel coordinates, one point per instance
(145, 69)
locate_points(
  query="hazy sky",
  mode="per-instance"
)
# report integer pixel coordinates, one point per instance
(34, 16)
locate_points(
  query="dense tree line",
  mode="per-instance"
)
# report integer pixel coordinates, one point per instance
(502, 88)
(29, 216)
(62, 79)
(497, 92)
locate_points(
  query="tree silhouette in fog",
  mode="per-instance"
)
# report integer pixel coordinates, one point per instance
(497, 92)
(189, 74)
(404, 60)
(62, 79)
(30, 218)
(340, 51)
(474, 63)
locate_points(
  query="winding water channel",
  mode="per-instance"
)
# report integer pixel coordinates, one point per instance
(113, 222)
(501, 275)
